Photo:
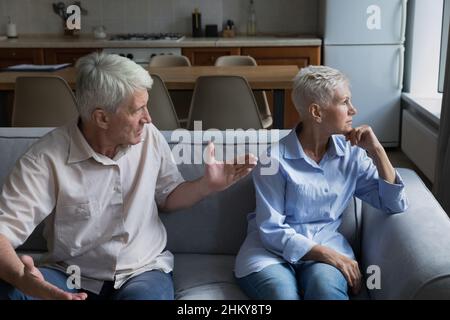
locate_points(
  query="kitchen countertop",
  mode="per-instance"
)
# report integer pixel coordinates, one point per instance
(87, 41)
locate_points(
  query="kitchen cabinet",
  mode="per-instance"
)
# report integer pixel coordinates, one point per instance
(208, 56)
(66, 55)
(13, 56)
(299, 56)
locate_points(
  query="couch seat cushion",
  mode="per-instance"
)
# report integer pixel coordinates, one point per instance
(205, 277)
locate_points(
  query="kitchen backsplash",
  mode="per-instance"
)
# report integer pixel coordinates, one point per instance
(129, 16)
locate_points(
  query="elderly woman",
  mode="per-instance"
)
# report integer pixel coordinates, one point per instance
(293, 249)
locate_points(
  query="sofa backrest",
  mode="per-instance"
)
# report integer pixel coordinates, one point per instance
(215, 225)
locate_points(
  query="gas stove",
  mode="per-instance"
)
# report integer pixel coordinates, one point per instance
(142, 56)
(176, 37)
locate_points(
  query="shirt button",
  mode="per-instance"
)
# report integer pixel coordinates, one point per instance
(116, 189)
(326, 190)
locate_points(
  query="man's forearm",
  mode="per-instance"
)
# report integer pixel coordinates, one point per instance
(11, 268)
(385, 169)
(186, 195)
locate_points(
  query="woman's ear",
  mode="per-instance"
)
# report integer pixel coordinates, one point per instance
(100, 118)
(316, 112)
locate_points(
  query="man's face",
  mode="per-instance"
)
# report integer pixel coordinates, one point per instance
(127, 124)
(338, 115)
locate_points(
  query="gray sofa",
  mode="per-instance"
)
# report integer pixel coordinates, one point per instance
(412, 249)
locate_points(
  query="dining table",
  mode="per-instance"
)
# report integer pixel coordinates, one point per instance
(263, 77)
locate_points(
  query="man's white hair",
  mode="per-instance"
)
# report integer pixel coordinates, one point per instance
(316, 84)
(106, 80)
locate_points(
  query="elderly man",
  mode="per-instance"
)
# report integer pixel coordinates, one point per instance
(104, 177)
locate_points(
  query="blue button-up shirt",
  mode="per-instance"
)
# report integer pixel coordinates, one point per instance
(301, 204)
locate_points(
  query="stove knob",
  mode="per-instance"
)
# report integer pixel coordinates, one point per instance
(130, 56)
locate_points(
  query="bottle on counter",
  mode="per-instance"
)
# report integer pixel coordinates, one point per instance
(251, 21)
(196, 23)
(11, 30)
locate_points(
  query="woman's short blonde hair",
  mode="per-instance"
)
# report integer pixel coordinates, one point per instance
(316, 84)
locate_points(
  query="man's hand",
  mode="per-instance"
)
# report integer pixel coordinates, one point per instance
(219, 175)
(347, 266)
(32, 283)
(364, 137)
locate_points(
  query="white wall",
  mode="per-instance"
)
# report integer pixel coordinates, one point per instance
(121, 16)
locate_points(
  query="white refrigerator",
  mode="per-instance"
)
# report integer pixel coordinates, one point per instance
(364, 39)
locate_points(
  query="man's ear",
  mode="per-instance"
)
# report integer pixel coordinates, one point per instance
(316, 112)
(100, 118)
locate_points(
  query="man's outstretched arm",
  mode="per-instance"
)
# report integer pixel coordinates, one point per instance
(218, 176)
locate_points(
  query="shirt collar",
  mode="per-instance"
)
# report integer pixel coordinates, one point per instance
(336, 148)
(79, 149)
(294, 150)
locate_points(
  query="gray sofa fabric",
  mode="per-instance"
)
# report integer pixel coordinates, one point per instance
(412, 249)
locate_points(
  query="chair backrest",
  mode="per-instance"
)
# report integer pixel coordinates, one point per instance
(235, 61)
(260, 96)
(43, 101)
(160, 106)
(169, 60)
(224, 102)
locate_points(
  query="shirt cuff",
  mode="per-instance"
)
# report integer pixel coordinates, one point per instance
(297, 247)
(393, 194)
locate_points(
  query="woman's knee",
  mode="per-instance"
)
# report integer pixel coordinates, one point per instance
(275, 282)
(324, 282)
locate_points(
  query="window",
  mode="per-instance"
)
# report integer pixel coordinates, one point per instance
(444, 40)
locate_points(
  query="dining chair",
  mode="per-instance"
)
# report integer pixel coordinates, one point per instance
(181, 99)
(260, 96)
(42, 101)
(160, 106)
(169, 60)
(224, 102)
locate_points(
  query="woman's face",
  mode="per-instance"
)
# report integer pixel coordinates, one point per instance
(337, 116)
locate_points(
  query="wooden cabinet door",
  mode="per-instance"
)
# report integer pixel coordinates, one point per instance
(208, 56)
(13, 56)
(300, 56)
(66, 55)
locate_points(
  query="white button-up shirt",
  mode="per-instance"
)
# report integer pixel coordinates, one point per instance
(102, 213)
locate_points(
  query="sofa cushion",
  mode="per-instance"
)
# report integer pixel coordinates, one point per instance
(205, 277)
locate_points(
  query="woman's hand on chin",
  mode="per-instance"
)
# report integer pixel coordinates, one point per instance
(364, 137)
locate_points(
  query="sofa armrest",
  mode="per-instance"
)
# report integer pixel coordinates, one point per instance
(412, 249)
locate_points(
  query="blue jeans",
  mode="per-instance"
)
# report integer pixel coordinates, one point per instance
(150, 285)
(306, 280)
